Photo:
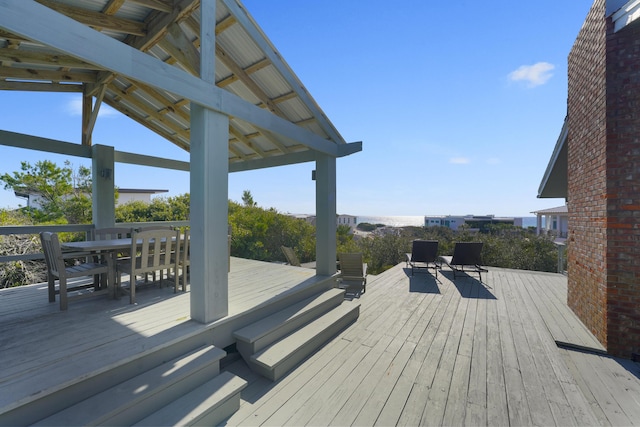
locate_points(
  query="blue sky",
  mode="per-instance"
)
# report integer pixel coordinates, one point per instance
(458, 105)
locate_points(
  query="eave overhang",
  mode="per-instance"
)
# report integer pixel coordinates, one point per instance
(554, 181)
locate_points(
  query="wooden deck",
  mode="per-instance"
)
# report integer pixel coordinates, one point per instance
(44, 349)
(423, 352)
(453, 353)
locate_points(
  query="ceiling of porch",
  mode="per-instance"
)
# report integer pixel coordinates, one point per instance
(247, 65)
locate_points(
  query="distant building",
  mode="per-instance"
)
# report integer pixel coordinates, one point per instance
(476, 222)
(126, 195)
(34, 200)
(348, 220)
(556, 222)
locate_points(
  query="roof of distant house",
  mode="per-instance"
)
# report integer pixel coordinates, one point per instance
(140, 190)
(559, 209)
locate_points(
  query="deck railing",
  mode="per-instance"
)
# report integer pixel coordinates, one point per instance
(72, 228)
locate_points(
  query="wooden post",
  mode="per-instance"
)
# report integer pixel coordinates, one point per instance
(325, 215)
(209, 191)
(102, 175)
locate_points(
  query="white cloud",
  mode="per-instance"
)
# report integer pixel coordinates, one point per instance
(534, 75)
(74, 108)
(493, 161)
(460, 160)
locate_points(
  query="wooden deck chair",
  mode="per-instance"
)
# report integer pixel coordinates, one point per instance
(112, 233)
(54, 258)
(291, 256)
(353, 272)
(466, 254)
(156, 249)
(424, 254)
(184, 259)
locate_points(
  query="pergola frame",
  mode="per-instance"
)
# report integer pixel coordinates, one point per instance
(215, 143)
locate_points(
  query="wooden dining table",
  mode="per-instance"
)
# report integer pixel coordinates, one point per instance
(102, 247)
(109, 247)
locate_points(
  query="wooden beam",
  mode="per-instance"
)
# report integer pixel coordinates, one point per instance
(40, 87)
(90, 113)
(24, 58)
(30, 142)
(275, 58)
(165, 6)
(97, 19)
(158, 27)
(40, 24)
(182, 49)
(47, 75)
(222, 55)
(162, 131)
(273, 161)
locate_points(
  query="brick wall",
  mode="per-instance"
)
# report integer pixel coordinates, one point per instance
(604, 181)
(586, 112)
(623, 184)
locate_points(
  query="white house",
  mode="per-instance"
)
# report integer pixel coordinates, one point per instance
(556, 221)
(348, 220)
(125, 195)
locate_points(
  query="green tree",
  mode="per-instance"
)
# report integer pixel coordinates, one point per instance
(247, 199)
(64, 193)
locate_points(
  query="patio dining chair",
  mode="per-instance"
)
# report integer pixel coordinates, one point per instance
(424, 254)
(353, 272)
(109, 233)
(466, 254)
(56, 268)
(151, 251)
(291, 256)
(183, 257)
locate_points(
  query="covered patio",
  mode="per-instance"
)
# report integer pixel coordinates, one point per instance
(199, 73)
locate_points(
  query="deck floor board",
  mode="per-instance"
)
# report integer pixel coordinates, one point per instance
(422, 352)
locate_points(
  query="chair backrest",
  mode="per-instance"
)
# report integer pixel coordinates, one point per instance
(52, 253)
(424, 250)
(185, 247)
(112, 233)
(467, 253)
(156, 227)
(156, 248)
(351, 265)
(291, 256)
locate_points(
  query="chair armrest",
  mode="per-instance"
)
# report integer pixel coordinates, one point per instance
(69, 255)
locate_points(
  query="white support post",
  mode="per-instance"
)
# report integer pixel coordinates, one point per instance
(209, 192)
(102, 174)
(325, 215)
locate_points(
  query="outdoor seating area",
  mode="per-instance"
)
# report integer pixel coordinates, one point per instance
(424, 254)
(56, 269)
(458, 353)
(465, 254)
(353, 272)
(157, 250)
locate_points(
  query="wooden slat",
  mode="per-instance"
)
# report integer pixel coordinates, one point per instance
(421, 352)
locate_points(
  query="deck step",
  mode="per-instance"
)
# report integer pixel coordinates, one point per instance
(209, 404)
(280, 357)
(259, 335)
(142, 395)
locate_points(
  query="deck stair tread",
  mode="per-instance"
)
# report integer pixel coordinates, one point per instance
(141, 395)
(208, 404)
(258, 335)
(283, 355)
